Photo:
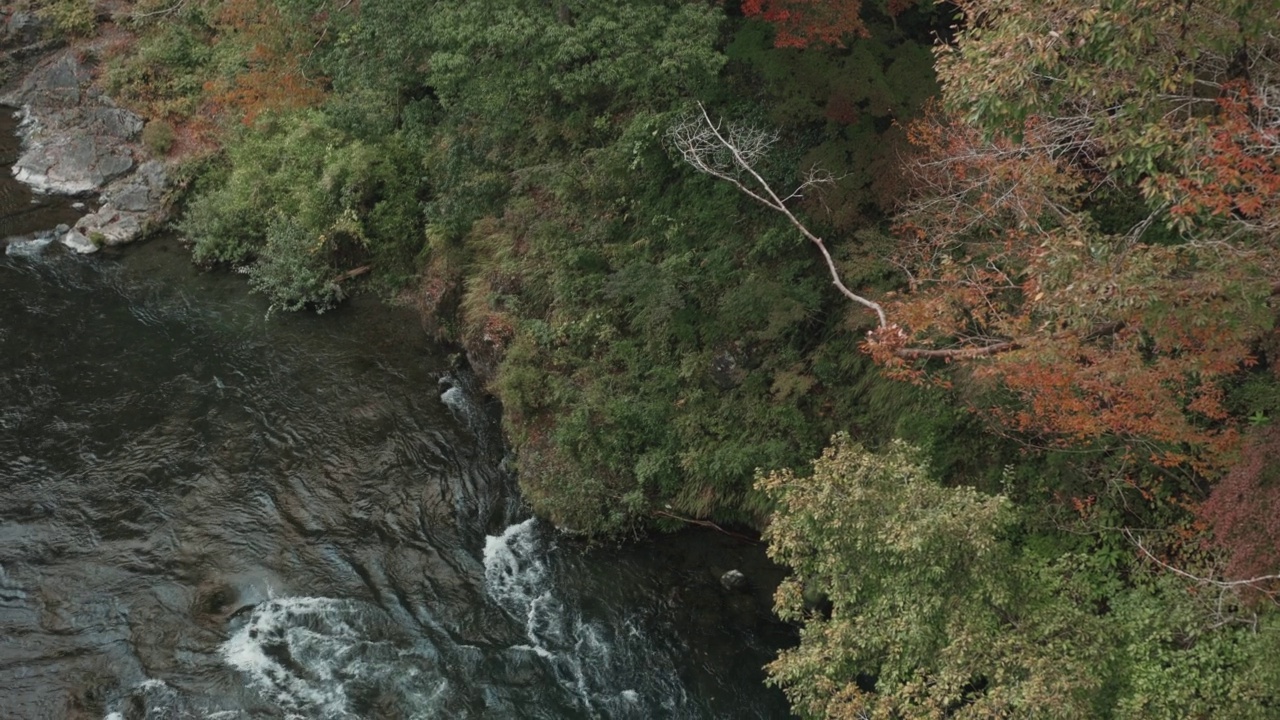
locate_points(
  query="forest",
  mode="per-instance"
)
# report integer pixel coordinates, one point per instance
(969, 307)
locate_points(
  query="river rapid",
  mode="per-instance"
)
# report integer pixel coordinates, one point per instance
(209, 512)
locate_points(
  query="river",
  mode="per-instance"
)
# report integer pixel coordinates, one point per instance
(209, 512)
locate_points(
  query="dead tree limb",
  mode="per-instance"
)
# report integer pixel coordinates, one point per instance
(730, 152)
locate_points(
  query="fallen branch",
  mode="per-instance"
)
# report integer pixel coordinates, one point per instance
(357, 272)
(706, 524)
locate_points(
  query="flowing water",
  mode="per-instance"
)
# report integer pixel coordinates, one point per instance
(206, 512)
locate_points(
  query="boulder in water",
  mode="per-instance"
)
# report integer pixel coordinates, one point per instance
(79, 242)
(735, 581)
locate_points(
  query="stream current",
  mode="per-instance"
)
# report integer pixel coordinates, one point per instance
(208, 512)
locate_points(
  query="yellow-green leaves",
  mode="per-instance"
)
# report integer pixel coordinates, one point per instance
(942, 602)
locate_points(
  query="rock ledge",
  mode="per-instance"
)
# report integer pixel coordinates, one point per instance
(76, 141)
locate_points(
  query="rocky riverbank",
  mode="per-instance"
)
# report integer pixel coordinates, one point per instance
(76, 142)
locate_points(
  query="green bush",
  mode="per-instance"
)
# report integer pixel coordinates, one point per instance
(301, 203)
(294, 268)
(69, 17)
(947, 597)
(158, 136)
(167, 70)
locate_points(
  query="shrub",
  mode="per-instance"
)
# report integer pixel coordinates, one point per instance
(303, 201)
(68, 17)
(158, 136)
(294, 268)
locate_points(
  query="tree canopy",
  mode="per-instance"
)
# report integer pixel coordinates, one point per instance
(920, 600)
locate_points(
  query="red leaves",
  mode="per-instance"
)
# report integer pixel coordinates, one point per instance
(1109, 338)
(801, 23)
(1244, 509)
(1237, 177)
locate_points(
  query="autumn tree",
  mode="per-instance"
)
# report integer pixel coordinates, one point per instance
(1100, 188)
(801, 23)
(1092, 218)
(277, 44)
(1245, 510)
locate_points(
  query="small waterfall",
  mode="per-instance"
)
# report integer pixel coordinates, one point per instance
(612, 670)
(500, 502)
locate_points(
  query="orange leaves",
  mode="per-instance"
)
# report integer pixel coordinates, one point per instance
(255, 91)
(1112, 339)
(1237, 176)
(274, 52)
(801, 23)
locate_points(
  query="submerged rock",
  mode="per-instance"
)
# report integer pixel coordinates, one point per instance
(735, 581)
(27, 246)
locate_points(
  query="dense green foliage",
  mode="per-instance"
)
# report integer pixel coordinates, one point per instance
(654, 340)
(299, 200)
(67, 17)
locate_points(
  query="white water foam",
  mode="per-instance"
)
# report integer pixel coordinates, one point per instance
(457, 401)
(160, 699)
(518, 579)
(273, 625)
(301, 652)
(457, 394)
(28, 248)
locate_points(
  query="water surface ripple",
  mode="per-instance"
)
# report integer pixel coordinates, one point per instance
(208, 512)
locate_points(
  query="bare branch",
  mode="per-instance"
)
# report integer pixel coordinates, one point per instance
(960, 353)
(162, 11)
(1253, 582)
(731, 154)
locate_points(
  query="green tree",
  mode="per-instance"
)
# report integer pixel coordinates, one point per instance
(302, 204)
(943, 602)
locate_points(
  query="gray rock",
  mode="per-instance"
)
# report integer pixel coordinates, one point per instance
(23, 28)
(111, 164)
(78, 142)
(117, 122)
(58, 82)
(133, 198)
(115, 226)
(735, 581)
(75, 166)
(141, 191)
(22, 21)
(79, 242)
